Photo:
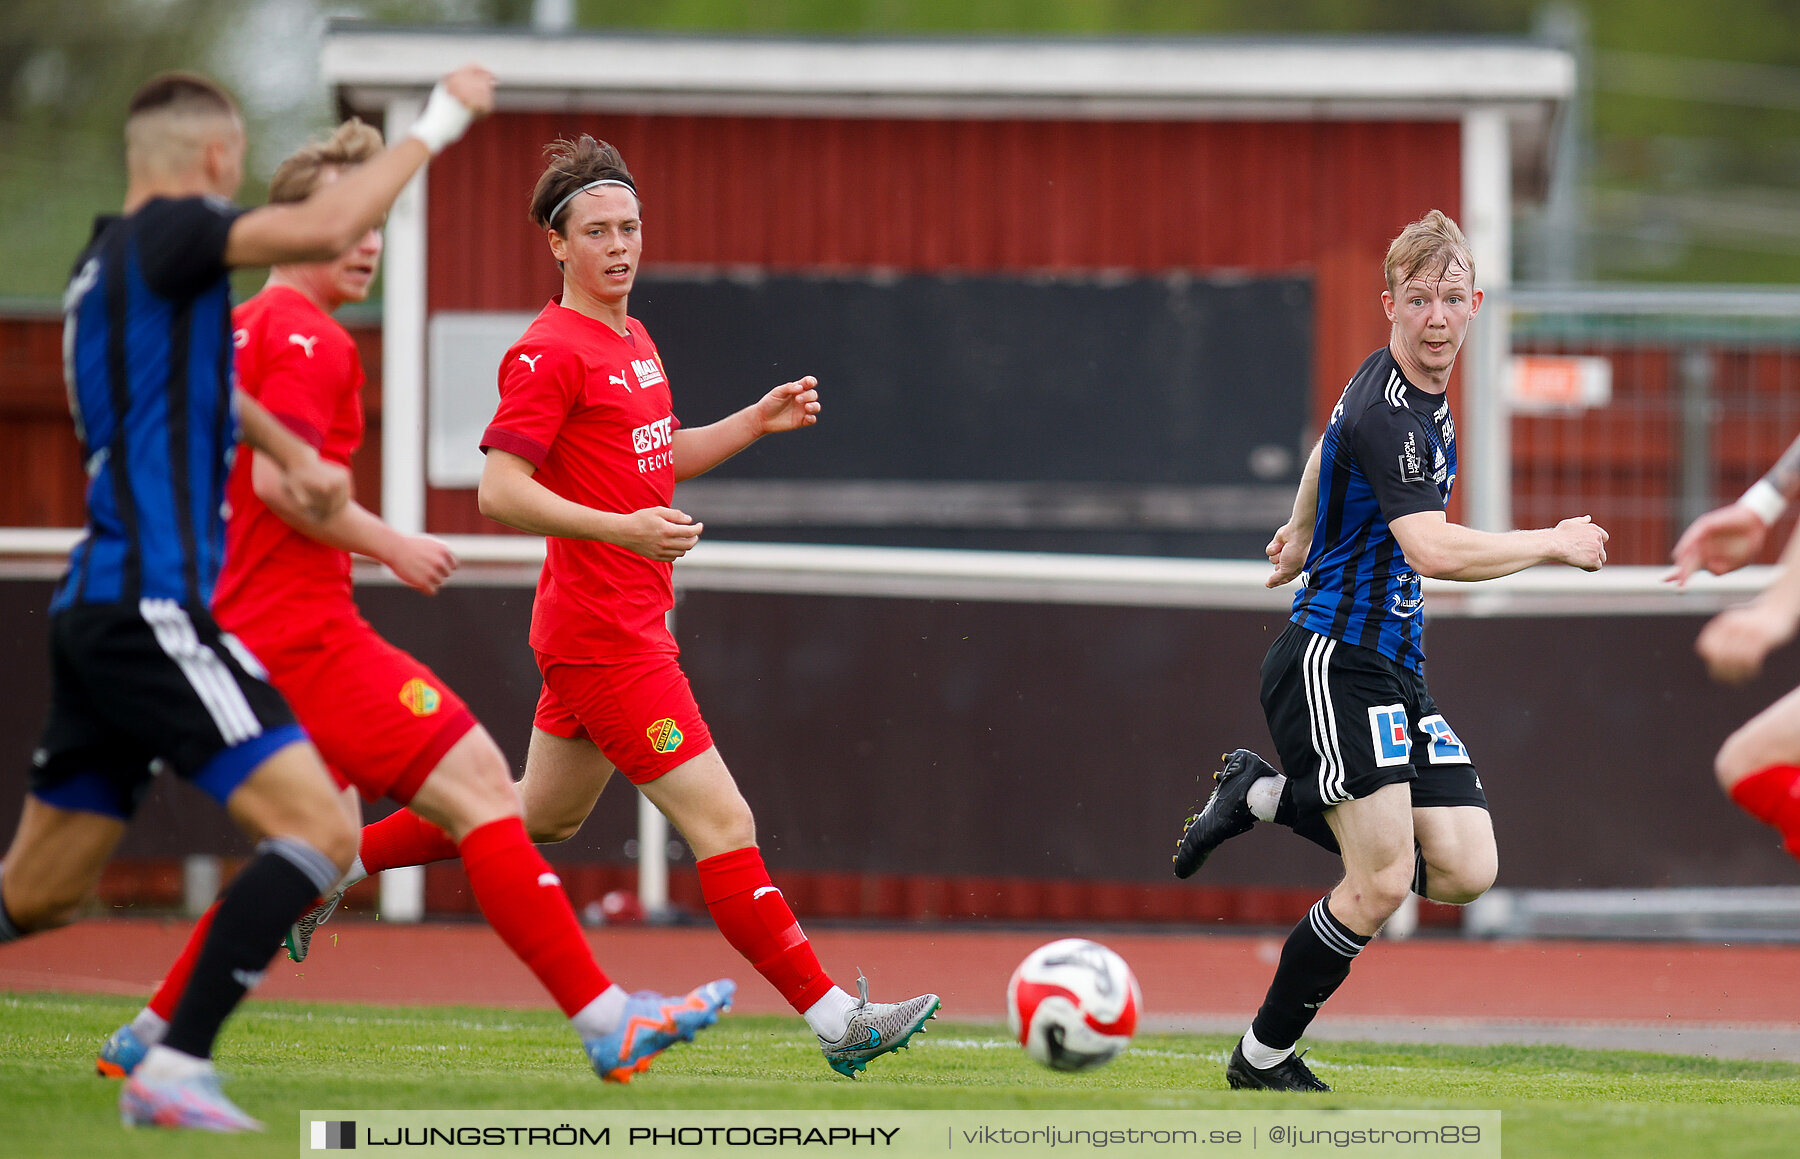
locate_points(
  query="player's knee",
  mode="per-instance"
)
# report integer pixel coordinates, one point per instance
(1731, 765)
(736, 827)
(551, 830)
(1374, 897)
(1461, 886)
(720, 830)
(333, 835)
(1467, 872)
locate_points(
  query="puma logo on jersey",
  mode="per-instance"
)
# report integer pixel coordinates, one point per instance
(620, 380)
(647, 371)
(762, 890)
(304, 342)
(549, 879)
(530, 360)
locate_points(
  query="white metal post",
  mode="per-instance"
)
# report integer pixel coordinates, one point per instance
(653, 845)
(403, 345)
(1486, 464)
(403, 415)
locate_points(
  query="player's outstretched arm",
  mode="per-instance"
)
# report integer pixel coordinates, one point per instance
(1288, 549)
(509, 494)
(1440, 549)
(420, 561)
(1724, 539)
(1735, 642)
(313, 484)
(1729, 537)
(333, 218)
(788, 407)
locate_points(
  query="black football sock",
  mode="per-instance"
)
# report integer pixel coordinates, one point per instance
(285, 879)
(1314, 963)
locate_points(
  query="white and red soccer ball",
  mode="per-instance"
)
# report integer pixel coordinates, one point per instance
(1073, 1004)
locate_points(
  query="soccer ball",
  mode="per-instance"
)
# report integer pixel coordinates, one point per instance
(1073, 1004)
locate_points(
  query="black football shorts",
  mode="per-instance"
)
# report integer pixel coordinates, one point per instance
(137, 688)
(1347, 721)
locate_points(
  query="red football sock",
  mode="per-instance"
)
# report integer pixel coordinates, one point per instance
(1772, 796)
(403, 838)
(168, 995)
(522, 898)
(756, 920)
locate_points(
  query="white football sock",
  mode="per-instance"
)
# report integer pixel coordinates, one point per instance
(149, 1026)
(1262, 1057)
(602, 1015)
(354, 874)
(166, 1065)
(1265, 796)
(829, 1017)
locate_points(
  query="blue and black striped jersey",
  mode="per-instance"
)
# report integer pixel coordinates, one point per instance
(147, 360)
(1389, 451)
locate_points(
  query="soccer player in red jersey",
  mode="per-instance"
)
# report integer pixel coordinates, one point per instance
(585, 449)
(143, 679)
(1758, 766)
(384, 723)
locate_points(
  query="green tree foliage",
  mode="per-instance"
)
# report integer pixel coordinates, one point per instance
(1695, 158)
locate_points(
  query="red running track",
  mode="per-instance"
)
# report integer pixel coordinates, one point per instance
(1193, 979)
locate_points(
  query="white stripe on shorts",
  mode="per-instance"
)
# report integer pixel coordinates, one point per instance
(209, 676)
(1315, 669)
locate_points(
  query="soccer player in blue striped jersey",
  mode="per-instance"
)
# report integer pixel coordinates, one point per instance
(1374, 771)
(142, 678)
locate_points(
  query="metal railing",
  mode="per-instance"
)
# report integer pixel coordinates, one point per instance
(1705, 394)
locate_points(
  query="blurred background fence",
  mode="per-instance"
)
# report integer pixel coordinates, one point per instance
(1703, 393)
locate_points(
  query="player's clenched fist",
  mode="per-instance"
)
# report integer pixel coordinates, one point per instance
(660, 533)
(1583, 543)
(473, 85)
(423, 562)
(1287, 554)
(1735, 642)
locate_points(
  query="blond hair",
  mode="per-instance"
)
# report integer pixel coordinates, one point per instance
(1429, 246)
(298, 177)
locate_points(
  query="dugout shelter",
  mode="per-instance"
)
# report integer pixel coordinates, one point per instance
(1037, 226)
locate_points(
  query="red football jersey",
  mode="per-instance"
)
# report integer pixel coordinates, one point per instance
(277, 584)
(590, 408)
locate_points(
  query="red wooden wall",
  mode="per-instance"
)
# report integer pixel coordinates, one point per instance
(802, 194)
(45, 484)
(796, 194)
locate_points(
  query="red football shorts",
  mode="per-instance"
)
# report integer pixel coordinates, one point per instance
(639, 710)
(381, 719)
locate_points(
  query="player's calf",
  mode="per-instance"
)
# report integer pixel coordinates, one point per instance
(25, 911)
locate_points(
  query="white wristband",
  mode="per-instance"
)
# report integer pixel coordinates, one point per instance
(443, 122)
(1765, 500)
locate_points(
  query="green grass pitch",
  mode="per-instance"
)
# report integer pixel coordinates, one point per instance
(281, 1057)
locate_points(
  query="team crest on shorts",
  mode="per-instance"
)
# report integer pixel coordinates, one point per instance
(420, 698)
(664, 736)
